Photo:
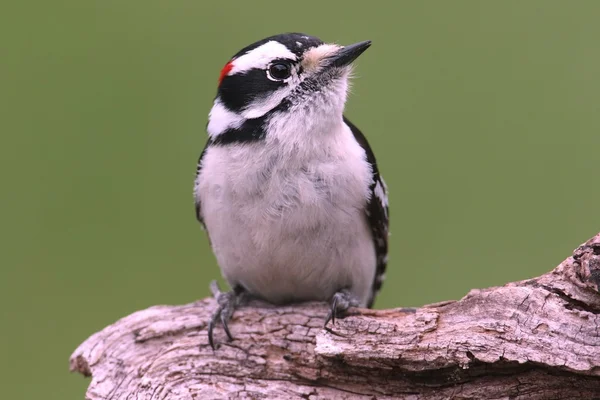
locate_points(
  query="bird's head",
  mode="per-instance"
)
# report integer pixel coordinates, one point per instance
(293, 76)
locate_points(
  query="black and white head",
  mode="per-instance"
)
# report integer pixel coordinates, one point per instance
(292, 80)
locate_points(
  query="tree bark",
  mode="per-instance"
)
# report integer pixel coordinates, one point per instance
(534, 339)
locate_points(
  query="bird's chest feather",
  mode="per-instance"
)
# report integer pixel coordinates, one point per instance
(263, 187)
(289, 223)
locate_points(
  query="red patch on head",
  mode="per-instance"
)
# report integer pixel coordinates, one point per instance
(225, 71)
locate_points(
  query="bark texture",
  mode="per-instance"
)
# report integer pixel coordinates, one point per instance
(534, 339)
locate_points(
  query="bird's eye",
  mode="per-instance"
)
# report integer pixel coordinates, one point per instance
(280, 71)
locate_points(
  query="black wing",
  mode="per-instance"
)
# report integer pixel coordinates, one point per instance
(196, 198)
(377, 212)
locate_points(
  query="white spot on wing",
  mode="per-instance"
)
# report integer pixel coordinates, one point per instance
(380, 193)
(260, 57)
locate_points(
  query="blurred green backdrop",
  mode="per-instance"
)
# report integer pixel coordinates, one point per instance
(484, 116)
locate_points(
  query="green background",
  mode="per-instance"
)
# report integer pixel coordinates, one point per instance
(484, 117)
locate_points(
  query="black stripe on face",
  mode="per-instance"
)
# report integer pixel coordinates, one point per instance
(239, 91)
(251, 130)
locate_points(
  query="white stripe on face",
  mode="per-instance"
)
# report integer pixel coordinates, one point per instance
(261, 106)
(260, 57)
(221, 119)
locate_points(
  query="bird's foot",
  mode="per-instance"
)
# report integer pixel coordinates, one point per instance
(340, 303)
(227, 302)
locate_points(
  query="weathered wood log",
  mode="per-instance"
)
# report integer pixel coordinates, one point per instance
(534, 339)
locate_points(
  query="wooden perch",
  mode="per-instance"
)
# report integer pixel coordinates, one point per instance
(534, 339)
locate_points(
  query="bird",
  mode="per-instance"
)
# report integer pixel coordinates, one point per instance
(286, 187)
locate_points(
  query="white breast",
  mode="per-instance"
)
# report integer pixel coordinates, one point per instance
(286, 218)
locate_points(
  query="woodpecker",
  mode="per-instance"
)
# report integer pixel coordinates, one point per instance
(287, 187)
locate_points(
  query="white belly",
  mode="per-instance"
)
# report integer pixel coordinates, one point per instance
(290, 227)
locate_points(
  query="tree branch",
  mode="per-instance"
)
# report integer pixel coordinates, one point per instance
(534, 339)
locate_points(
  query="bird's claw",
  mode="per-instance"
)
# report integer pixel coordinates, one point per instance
(340, 303)
(227, 301)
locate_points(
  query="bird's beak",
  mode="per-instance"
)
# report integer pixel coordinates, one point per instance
(347, 54)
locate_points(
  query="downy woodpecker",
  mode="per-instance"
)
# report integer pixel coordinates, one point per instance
(287, 187)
